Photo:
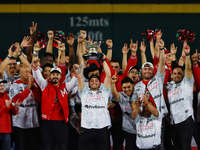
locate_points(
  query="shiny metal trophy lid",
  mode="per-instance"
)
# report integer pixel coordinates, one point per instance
(92, 51)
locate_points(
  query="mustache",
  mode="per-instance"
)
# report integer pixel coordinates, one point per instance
(55, 78)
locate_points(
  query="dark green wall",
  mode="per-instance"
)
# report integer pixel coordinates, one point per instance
(119, 27)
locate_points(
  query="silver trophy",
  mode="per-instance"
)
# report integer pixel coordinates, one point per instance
(92, 51)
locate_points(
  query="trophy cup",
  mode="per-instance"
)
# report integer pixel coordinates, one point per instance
(92, 53)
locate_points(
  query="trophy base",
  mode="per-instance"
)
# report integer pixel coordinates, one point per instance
(92, 56)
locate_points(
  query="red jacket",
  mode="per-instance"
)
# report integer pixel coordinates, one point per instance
(196, 72)
(5, 112)
(48, 100)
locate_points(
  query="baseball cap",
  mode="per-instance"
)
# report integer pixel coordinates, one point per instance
(147, 64)
(3, 81)
(134, 67)
(56, 69)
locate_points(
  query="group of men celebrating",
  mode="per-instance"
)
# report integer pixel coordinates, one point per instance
(48, 101)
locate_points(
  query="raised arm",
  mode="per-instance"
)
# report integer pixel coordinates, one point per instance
(173, 51)
(80, 49)
(70, 42)
(196, 69)
(143, 50)
(114, 92)
(81, 82)
(107, 80)
(181, 59)
(32, 35)
(4, 63)
(125, 50)
(161, 64)
(109, 43)
(37, 74)
(49, 48)
(188, 68)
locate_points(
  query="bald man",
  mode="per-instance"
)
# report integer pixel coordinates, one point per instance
(25, 123)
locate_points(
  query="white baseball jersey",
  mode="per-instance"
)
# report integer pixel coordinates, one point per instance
(128, 123)
(27, 116)
(180, 97)
(10, 80)
(148, 131)
(155, 87)
(95, 113)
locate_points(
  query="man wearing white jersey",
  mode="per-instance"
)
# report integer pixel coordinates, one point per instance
(180, 97)
(124, 100)
(152, 86)
(25, 123)
(95, 117)
(148, 124)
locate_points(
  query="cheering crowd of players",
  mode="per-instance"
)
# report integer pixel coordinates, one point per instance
(58, 104)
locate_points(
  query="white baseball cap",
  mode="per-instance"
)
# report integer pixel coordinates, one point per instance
(56, 69)
(147, 64)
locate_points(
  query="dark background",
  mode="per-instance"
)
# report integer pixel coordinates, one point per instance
(122, 27)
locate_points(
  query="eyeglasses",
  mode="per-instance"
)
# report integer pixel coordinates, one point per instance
(10, 64)
(134, 72)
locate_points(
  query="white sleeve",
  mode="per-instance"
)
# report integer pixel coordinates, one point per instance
(70, 85)
(39, 78)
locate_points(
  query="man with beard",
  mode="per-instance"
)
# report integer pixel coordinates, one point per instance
(180, 97)
(152, 86)
(95, 117)
(54, 107)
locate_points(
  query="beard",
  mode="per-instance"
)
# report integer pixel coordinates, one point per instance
(55, 81)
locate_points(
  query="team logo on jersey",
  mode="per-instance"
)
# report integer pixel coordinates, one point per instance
(63, 92)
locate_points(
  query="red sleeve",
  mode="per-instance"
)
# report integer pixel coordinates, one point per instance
(155, 60)
(21, 96)
(3, 109)
(63, 68)
(118, 84)
(155, 64)
(103, 75)
(37, 91)
(132, 61)
(167, 76)
(196, 73)
(13, 111)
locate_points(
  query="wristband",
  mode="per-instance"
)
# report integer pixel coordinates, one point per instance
(103, 60)
(109, 48)
(161, 48)
(20, 54)
(35, 53)
(148, 104)
(187, 54)
(9, 57)
(21, 48)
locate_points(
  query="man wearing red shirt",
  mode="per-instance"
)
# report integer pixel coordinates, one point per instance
(6, 109)
(55, 109)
